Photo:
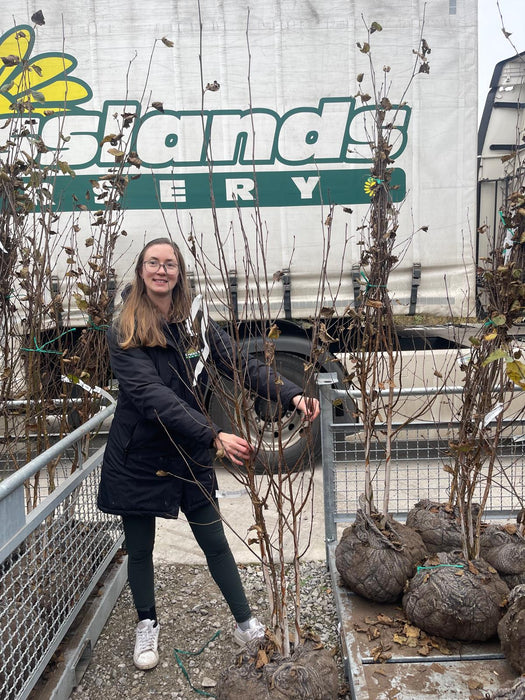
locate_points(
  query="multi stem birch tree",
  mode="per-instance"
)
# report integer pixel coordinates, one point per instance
(369, 329)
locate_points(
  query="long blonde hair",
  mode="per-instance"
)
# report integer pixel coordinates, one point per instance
(140, 322)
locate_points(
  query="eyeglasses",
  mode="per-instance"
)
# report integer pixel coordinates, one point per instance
(154, 265)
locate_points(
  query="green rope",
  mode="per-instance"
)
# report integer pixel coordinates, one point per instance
(94, 326)
(503, 220)
(371, 286)
(507, 228)
(441, 566)
(176, 653)
(38, 348)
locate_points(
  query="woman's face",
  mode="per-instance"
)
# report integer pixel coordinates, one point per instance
(160, 271)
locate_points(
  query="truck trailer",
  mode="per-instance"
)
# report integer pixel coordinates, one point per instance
(252, 117)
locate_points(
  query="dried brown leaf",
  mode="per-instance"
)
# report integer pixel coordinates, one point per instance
(385, 620)
(108, 139)
(10, 60)
(134, 159)
(324, 336)
(262, 659)
(38, 18)
(412, 631)
(440, 645)
(327, 311)
(115, 152)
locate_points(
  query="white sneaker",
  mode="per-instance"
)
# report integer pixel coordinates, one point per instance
(145, 655)
(254, 632)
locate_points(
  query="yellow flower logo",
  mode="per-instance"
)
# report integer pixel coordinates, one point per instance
(40, 84)
(370, 186)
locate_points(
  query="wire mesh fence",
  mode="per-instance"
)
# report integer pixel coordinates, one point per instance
(51, 562)
(420, 459)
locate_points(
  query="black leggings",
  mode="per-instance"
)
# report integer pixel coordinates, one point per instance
(208, 530)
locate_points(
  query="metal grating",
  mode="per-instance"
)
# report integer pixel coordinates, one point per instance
(418, 467)
(48, 569)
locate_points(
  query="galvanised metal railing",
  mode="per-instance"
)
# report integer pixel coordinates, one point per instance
(51, 558)
(420, 455)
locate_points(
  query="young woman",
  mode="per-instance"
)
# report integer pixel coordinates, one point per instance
(157, 458)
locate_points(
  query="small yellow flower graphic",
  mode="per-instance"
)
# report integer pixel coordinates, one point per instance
(40, 84)
(370, 186)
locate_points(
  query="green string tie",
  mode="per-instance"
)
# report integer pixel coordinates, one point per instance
(371, 286)
(38, 348)
(507, 228)
(440, 566)
(94, 326)
(176, 653)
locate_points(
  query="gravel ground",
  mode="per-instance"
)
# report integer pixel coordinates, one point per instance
(191, 612)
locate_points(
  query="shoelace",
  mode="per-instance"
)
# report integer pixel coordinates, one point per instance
(255, 632)
(146, 639)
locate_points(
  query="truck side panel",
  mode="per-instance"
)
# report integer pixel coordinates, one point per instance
(285, 128)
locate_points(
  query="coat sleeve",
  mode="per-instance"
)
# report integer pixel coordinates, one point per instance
(152, 399)
(257, 376)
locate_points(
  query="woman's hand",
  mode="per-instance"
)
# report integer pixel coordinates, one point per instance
(235, 448)
(309, 407)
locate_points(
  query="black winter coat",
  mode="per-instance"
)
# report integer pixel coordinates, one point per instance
(157, 457)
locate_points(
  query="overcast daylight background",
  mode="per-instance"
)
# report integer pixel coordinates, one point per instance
(493, 46)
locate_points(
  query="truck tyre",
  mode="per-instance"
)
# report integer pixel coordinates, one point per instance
(296, 438)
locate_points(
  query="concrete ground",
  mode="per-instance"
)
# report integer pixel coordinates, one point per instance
(175, 542)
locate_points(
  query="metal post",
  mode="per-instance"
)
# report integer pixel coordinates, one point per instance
(325, 383)
(12, 514)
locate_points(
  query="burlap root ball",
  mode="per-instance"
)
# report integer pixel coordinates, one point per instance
(376, 555)
(309, 674)
(510, 691)
(438, 524)
(511, 630)
(503, 546)
(455, 599)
